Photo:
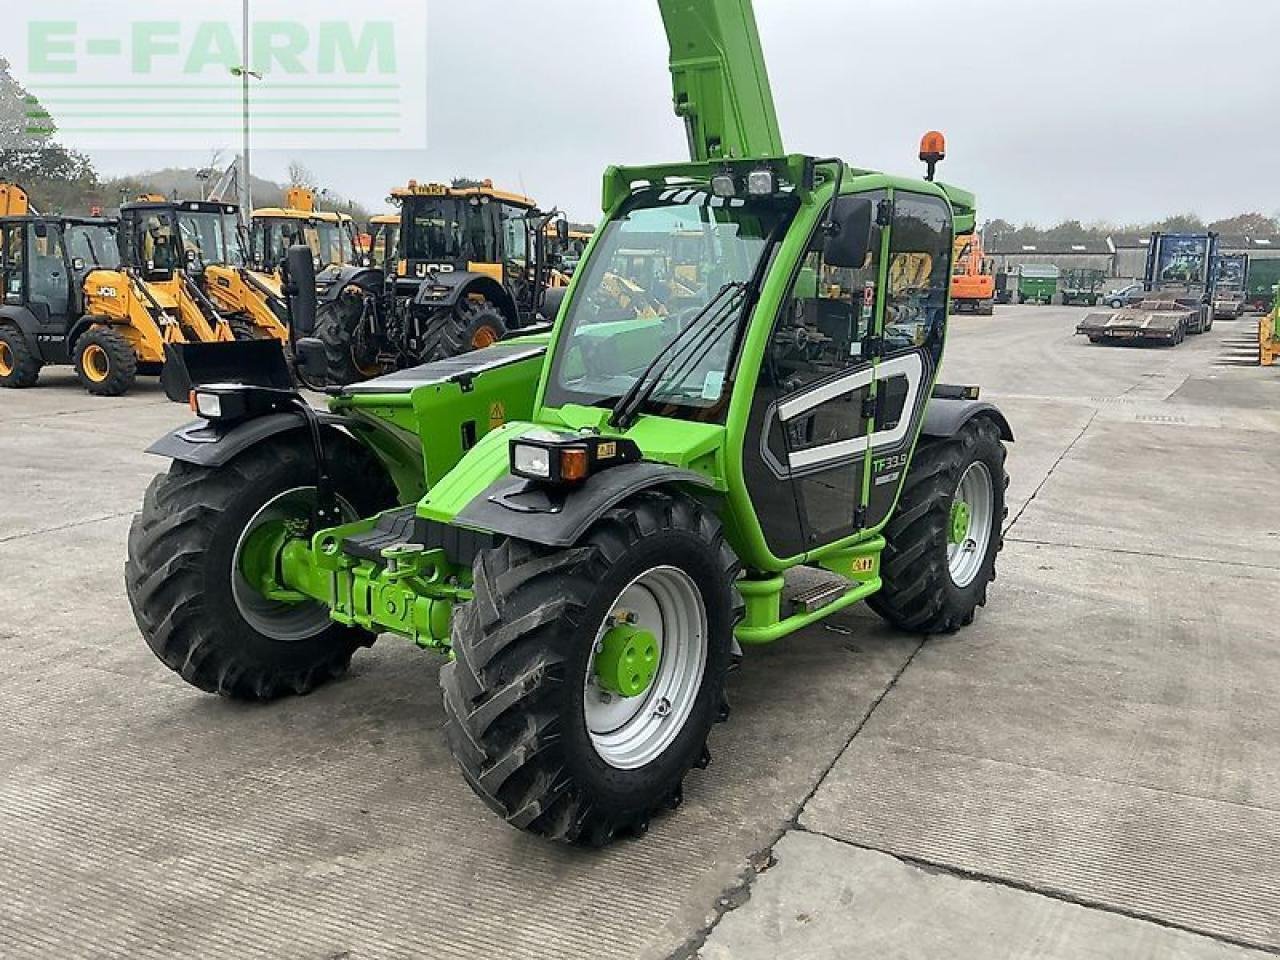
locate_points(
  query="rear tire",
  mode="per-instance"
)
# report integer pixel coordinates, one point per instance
(467, 326)
(922, 591)
(105, 362)
(519, 719)
(185, 590)
(19, 365)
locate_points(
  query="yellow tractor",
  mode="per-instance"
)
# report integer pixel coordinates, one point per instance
(79, 291)
(208, 244)
(471, 265)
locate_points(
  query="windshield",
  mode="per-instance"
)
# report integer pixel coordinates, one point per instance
(334, 243)
(654, 270)
(386, 243)
(451, 228)
(273, 236)
(94, 244)
(208, 237)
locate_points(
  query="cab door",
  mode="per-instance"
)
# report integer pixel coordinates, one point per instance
(913, 323)
(807, 470)
(846, 376)
(49, 277)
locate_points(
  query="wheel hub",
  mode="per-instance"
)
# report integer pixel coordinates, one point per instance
(627, 660)
(96, 364)
(961, 517)
(6, 359)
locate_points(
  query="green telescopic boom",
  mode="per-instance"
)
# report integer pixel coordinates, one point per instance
(720, 80)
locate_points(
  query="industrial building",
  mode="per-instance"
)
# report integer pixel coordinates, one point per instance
(1122, 256)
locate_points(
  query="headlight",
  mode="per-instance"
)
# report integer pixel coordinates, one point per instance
(761, 183)
(530, 461)
(208, 405)
(724, 185)
(566, 458)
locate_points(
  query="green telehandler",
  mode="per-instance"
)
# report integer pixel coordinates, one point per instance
(591, 524)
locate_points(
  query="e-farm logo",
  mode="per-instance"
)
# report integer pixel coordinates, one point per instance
(334, 76)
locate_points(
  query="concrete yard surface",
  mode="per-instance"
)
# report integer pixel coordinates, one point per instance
(1091, 770)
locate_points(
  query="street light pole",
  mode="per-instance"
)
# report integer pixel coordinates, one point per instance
(246, 183)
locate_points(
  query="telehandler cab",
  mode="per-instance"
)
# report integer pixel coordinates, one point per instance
(592, 523)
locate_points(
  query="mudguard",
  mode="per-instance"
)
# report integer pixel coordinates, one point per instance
(206, 444)
(444, 290)
(25, 321)
(944, 417)
(512, 507)
(331, 281)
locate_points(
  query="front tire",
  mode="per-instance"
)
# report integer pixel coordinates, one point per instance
(185, 572)
(527, 718)
(19, 365)
(942, 543)
(341, 325)
(105, 362)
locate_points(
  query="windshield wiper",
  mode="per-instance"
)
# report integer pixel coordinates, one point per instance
(721, 307)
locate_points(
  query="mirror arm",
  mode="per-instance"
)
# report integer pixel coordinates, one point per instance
(830, 228)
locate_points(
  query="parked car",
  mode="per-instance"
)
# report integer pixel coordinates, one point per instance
(1134, 293)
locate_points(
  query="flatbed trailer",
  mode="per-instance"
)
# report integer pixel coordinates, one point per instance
(1162, 322)
(1180, 281)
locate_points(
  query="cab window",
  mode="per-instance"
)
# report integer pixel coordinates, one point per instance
(12, 259)
(920, 247)
(515, 234)
(825, 320)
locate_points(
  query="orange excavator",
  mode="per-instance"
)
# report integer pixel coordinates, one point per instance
(973, 287)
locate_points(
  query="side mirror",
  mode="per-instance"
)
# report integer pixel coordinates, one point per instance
(562, 231)
(300, 288)
(849, 233)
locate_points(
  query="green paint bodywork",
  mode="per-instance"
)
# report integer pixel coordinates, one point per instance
(444, 444)
(958, 529)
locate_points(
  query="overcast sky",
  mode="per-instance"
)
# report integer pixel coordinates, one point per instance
(1122, 110)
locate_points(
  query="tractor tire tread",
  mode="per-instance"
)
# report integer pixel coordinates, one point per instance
(26, 363)
(122, 370)
(504, 690)
(918, 595)
(166, 581)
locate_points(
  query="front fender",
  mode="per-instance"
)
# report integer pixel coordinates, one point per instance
(944, 417)
(206, 444)
(512, 507)
(333, 280)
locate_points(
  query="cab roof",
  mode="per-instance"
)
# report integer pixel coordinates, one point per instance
(487, 189)
(61, 220)
(188, 206)
(288, 213)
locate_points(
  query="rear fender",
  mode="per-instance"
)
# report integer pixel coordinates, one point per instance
(25, 322)
(945, 417)
(445, 290)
